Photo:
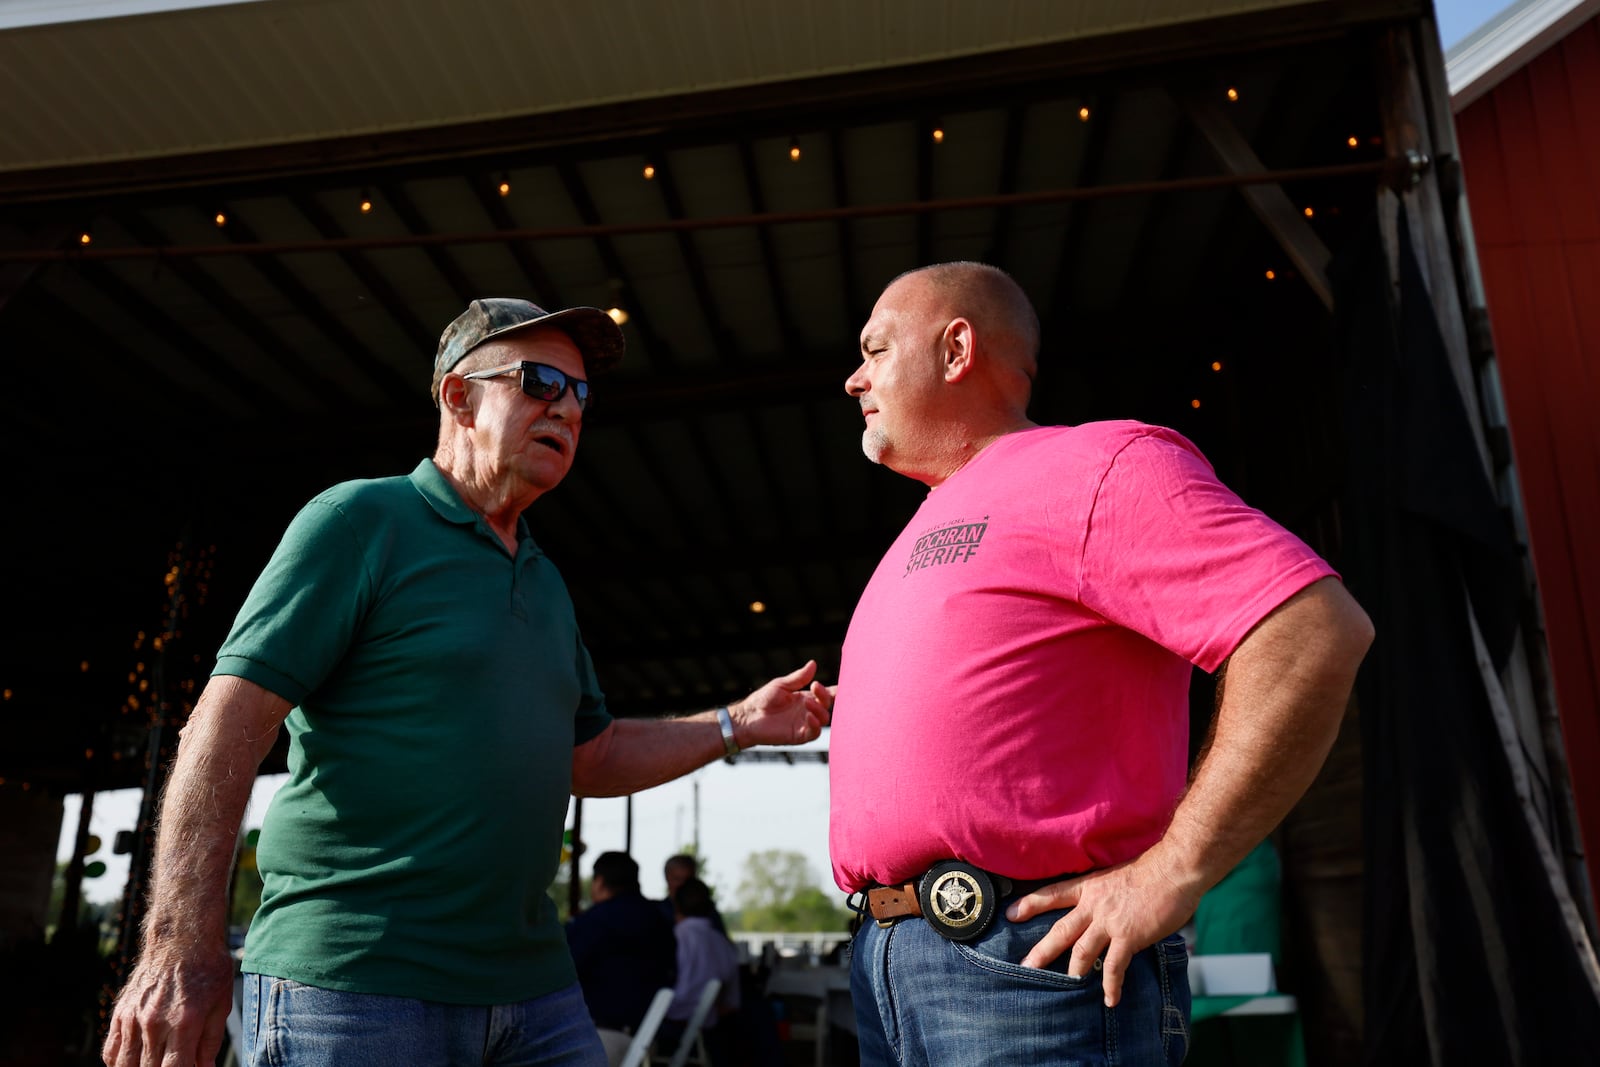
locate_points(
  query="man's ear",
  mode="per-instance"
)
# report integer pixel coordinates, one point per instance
(959, 349)
(453, 398)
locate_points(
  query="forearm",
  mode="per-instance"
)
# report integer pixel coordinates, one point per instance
(636, 754)
(1283, 695)
(230, 731)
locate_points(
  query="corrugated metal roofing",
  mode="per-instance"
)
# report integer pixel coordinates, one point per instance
(215, 78)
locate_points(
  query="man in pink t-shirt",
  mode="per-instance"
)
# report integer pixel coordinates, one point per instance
(1010, 737)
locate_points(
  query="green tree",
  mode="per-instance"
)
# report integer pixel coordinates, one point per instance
(780, 894)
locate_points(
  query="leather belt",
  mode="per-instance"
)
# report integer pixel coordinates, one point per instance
(959, 900)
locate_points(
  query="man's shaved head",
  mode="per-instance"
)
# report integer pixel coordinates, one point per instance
(992, 300)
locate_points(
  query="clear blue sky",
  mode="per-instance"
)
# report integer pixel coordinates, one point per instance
(1458, 18)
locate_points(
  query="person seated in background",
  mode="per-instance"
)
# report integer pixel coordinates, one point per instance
(676, 871)
(624, 949)
(704, 953)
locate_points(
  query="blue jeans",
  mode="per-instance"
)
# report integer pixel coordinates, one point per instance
(289, 1024)
(922, 1000)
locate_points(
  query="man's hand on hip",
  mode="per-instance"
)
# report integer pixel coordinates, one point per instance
(1117, 911)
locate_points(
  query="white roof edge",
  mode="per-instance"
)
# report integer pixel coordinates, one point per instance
(1507, 43)
(17, 14)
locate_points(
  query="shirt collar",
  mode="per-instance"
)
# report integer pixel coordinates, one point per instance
(436, 489)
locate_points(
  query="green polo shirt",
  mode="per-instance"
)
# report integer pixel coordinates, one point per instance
(440, 687)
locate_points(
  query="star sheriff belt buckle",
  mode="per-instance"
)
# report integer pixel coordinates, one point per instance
(958, 900)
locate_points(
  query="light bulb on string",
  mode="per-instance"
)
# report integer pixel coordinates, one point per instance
(366, 203)
(617, 314)
(649, 171)
(1083, 114)
(1233, 94)
(938, 135)
(794, 149)
(220, 219)
(1271, 274)
(505, 185)
(84, 238)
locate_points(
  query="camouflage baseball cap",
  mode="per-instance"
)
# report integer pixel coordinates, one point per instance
(597, 337)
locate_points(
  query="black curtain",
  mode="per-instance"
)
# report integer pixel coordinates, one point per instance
(1465, 956)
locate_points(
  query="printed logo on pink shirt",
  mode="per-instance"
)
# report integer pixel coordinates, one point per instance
(955, 542)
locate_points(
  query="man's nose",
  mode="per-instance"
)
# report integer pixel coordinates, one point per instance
(856, 384)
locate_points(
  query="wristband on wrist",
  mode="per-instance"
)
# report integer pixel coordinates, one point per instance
(729, 745)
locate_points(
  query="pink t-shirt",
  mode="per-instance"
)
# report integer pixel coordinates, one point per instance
(1014, 685)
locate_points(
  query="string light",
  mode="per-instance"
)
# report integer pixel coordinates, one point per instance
(618, 315)
(757, 607)
(1195, 403)
(220, 218)
(794, 149)
(366, 203)
(1216, 365)
(1354, 142)
(505, 185)
(1309, 212)
(1083, 114)
(1233, 94)
(649, 171)
(84, 238)
(938, 135)
(84, 666)
(1271, 274)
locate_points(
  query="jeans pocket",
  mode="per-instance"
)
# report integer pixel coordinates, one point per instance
(1001, 950)
(1172, 957)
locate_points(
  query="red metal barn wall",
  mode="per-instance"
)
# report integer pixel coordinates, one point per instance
(1530, 150)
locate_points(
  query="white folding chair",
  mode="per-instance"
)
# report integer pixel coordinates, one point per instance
(693, 1041)
(638, 1052)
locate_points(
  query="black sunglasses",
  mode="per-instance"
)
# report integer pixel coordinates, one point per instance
(541, 381)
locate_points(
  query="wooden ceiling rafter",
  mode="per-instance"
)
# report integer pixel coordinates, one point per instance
(359, 264)
(1158, 214)
(924, 186)
(661, 355)
(244, 392)
(100, 356)
(694, 267)
(1010, 162)
(1091, 164)
(413, 222)
(848, 279)
(545, 291)
(383, 376)
(225, 304)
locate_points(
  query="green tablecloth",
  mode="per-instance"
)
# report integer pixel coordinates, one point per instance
(1241, 914)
